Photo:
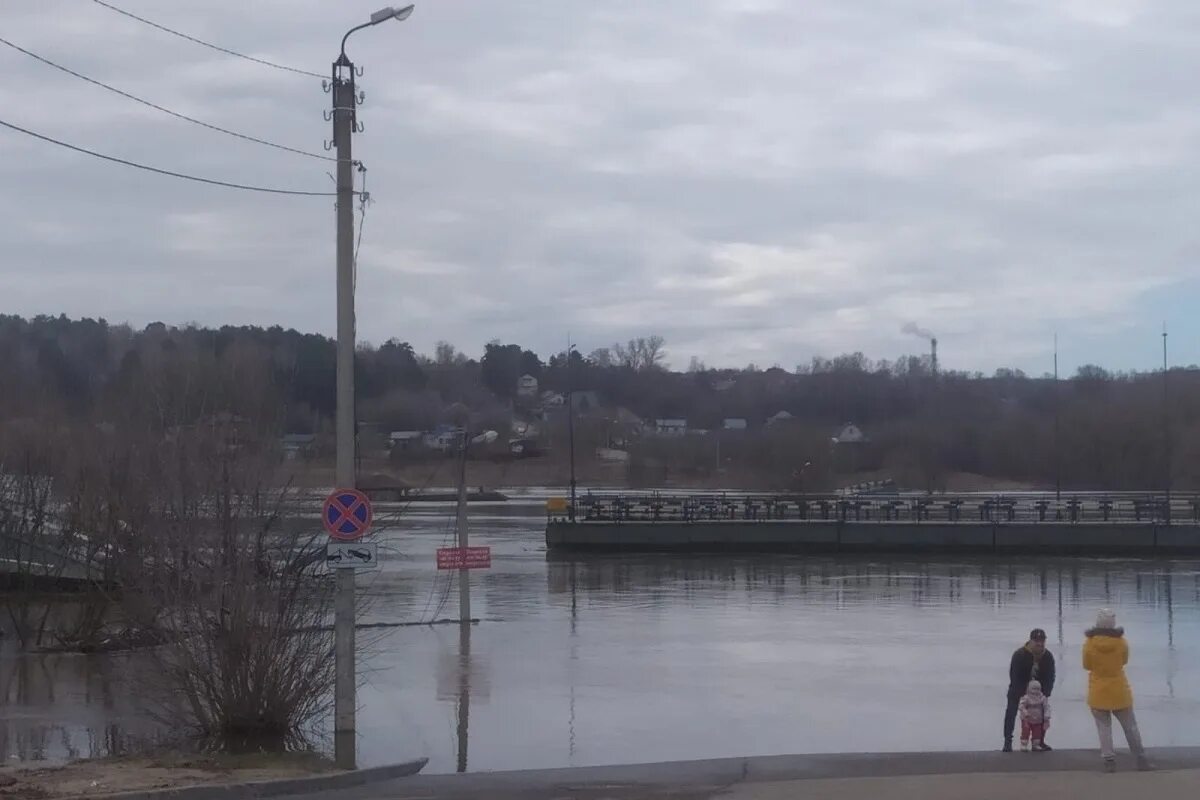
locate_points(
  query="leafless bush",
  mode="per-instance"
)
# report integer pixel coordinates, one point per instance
(237, 584)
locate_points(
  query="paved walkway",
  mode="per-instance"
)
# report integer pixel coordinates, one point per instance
(1090, 785)
(900, 776)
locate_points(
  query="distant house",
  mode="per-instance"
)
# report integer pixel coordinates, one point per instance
(404, 441)
(297, 445)
(527, 387)
(782, 416)
(733, 424)
(851, 434)
(853, 451)
(670, 427)
(724, 385)
(443, 438)
(612, 455)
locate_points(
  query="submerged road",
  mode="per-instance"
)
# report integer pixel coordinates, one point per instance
(899, 776)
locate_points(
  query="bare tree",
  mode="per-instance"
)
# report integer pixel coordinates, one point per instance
(447, 355)
(602, 357)
(641, 354)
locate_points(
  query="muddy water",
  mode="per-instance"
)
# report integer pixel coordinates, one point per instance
(610, 660)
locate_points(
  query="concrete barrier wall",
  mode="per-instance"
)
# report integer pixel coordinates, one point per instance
(916, 536)
(980, 537)
(1079, 537)
(1178, 537)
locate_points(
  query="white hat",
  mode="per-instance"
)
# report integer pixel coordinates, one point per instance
(1106, 618)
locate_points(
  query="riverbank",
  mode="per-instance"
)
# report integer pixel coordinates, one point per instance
(552, 471)
(899, 776)
(100, 777)
(919, 776)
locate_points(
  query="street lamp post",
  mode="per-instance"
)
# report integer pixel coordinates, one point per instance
(1166, 425)
(1057, 452)
(344, 102)
(571, 425)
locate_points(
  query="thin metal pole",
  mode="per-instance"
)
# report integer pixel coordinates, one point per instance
(344, 644)
(464, 694)
(1057, 452)
(464, 582)
(571, 424)
(1166, 425)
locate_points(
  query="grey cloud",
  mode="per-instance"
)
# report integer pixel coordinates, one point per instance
(754, 180)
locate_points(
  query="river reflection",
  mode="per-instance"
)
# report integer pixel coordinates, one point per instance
(60, 707)
(644, 659)
(617, 660)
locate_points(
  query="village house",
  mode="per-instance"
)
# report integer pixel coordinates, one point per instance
(670, 427)
(443, 438)
(850, 434)
(404, 441)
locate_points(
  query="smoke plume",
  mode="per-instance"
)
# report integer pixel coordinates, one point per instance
(915, 330)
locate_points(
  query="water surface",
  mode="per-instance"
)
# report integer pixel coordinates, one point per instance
(602, 660)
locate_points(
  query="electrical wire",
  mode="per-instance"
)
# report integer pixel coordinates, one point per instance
(364, 198)
(157, 107)
(170, 173)
(218, 48)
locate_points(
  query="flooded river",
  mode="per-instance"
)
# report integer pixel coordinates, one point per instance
(601, 660)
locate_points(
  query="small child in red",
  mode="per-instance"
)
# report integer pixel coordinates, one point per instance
(1035, 717)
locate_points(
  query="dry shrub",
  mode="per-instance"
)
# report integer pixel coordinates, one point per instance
(238, 586)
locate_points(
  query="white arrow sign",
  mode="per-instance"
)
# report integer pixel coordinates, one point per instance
(352, 555)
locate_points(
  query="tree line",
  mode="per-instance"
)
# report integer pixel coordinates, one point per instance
(1093, 430)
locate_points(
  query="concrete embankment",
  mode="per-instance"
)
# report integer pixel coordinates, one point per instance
(930, 776)
(1084, 538)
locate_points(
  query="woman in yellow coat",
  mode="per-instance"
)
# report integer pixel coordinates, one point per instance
(1105, 654)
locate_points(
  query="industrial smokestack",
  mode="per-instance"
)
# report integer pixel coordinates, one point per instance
(912, 329)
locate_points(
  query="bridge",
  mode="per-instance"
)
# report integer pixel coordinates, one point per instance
(1087, 524)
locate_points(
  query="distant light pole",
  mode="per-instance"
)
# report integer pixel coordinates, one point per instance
(1057, 451)
(571, 425)
(1166, 425)
(344, 102)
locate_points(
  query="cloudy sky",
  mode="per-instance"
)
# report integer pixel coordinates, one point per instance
(754, 180)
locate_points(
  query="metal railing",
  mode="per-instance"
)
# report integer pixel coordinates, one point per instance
(1115, 508)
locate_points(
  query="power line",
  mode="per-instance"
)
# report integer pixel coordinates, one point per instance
(206, 44)
(157, 107)
(364, 198)
(168, 172)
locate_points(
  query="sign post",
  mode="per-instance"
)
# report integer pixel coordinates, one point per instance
(464, 558)
(352, 555)
(346, 516)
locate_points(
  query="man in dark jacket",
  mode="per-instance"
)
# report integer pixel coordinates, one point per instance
(1031, 662)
